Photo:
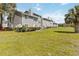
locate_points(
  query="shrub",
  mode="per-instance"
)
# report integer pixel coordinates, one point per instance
(24, 28)
(7, 29)
(21, 28)
(60, 25)
(38, 28)
(18, 29)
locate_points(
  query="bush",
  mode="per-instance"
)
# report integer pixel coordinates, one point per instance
(60, 25)
(7, 29)
(21, 28)
(38, 28)
(24, 28)
(18, 29)
(30, 29)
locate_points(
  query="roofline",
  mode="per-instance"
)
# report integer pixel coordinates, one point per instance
(47, 19)
(33, 16)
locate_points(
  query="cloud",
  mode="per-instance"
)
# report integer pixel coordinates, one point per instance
(37, 7)
(57, 16)
(63, 4)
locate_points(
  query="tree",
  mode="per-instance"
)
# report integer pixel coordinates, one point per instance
(11, 9)
(73, 17)
(1, 15)
(8, 8)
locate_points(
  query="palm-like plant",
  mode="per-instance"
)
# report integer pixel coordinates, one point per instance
(1, 10)
(73, 17)
(11, 10)
(8, 8)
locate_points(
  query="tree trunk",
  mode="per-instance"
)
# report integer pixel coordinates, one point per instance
(0, 21)
(77, 28)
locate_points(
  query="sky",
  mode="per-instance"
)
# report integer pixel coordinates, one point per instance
(54, 10)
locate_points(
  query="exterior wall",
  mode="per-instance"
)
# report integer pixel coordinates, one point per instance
(47, 23)
(55, 25)
(10, 24)
(28, 21)
(31, 22)
(4, 24)
(5, 20)
(38, 23)
(17, 20)
(7, 23)
(51, 24)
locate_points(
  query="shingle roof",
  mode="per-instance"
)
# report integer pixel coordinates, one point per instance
(33, 16)
(18, 13)
(21, 14)
(47, 19)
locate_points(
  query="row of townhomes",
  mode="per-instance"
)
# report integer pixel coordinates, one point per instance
(28, 18)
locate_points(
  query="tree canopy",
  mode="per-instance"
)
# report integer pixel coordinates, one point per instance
(73, 15)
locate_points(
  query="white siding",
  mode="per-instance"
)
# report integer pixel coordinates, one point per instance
(17, 20)
(39, 22)
(31, 22)
(47, 23)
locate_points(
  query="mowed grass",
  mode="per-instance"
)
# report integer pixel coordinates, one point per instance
(60, 41)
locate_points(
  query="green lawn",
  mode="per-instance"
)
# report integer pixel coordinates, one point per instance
(54, 41)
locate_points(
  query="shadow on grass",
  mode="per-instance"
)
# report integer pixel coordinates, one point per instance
(63, 32)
